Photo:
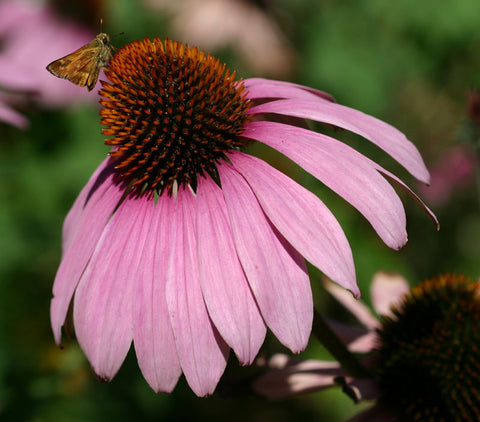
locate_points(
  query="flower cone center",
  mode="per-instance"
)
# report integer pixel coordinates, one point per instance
(429, 359)
(171, 112)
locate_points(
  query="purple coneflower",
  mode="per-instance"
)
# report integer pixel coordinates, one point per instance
(188, 246)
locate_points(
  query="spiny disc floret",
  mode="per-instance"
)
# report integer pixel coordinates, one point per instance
(428, 361)
(172, 112)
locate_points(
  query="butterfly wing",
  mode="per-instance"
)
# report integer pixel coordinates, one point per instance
(83, 65)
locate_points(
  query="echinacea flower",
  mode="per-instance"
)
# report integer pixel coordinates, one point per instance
(190, 247)
(31, 36)
(421, 353)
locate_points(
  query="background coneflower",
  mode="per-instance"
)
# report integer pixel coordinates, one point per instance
(421, 355)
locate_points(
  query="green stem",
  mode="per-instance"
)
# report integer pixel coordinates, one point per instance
(337, 349)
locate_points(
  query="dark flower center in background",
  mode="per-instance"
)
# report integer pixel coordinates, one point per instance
(429, 357)
(172, 113)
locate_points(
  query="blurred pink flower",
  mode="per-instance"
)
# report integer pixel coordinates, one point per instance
(287, 377)
(188, 246)
(454, 170)
(32, 36)
(238, 24)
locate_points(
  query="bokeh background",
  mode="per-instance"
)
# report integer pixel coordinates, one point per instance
(413, 64)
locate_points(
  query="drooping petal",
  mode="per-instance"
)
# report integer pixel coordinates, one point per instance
(286, 377)
(344, 170)
(380, 133)
(300, 216)
(297, 377)
(226, 292)
(152, 330)
(201, 350)
(356, 307)
(104, 297)
(268, 88)
(357, 339)
(387, 290)
(412, 194)
(275, 271)
(90, 225)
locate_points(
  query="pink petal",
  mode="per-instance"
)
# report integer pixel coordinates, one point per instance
(152, 329)
(380, 133)
(305, 222)
(17, 76)
(288, 377)
(226, 292)
(357, 339)
(267, 88)
(89, 225)
(275, 271)
(342, 169)
(12, 117)
(103, 299)
(201, 350)
(364, 344)
(298, 378)
(387, 290)
(356, 307)
(412, 194)
(74, 221)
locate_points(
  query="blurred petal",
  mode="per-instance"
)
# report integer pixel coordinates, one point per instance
(380, 133)
(85, 232)
(356, 307)
(228, 297)
(454, 171)
(300, 216)
(342, 169)
(10, 116)
(357, 339)
(276, 273)
(24, 57)
(297, 378)
(152, 330)
(103, 299)
(217, 24)
(387, 290)
(202, 352)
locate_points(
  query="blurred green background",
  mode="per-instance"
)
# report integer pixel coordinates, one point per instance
(409, 63)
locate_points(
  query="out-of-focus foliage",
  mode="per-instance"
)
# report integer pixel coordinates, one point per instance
(409, 63)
